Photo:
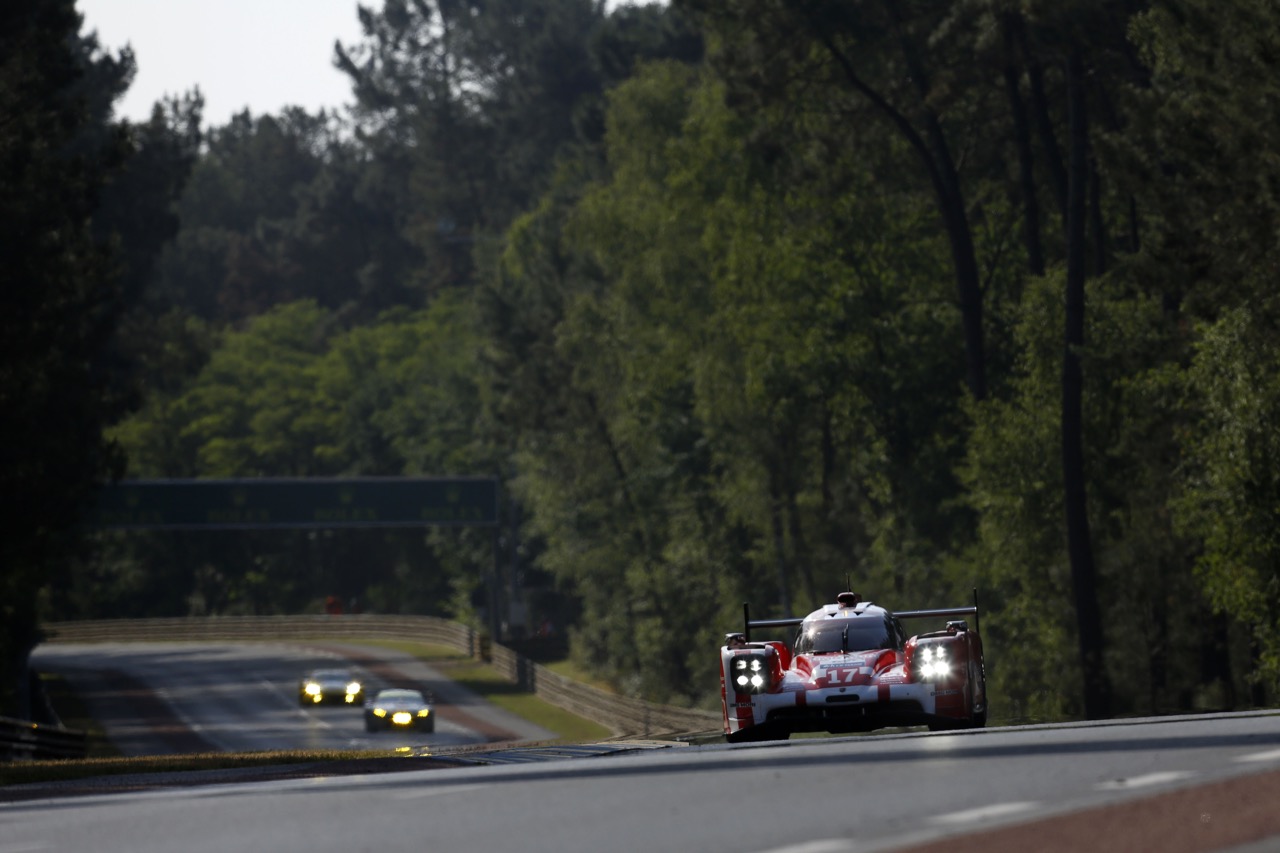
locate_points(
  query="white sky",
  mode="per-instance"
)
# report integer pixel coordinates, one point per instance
(262, 55)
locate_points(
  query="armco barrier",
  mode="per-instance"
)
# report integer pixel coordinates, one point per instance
(626, 717)
(623, 716)
(22, 741)
(248, 628)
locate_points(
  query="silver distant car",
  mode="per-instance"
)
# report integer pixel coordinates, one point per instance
(398, 708)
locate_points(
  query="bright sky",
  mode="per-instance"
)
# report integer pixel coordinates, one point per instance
(262, 55)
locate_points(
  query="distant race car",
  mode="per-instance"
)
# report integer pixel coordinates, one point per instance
(852, 668)
(399, 709)
(330, 685)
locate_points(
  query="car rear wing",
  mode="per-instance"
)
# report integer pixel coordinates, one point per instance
(922, 614)
(946, 611)
(750, 623)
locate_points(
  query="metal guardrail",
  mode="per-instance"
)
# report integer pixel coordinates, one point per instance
(250, 628)
(624, 717)
(25, 741)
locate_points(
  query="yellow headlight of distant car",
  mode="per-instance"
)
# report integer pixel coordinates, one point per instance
(353, 688)
(312, 689)
(401, 718)
(379, 712)
(425, 712)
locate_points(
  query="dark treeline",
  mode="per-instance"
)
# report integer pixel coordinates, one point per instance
(743, 300)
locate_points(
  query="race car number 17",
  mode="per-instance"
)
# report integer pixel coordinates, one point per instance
(842, 676)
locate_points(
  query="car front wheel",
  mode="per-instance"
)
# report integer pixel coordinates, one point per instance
(977, 687)
(758, 733)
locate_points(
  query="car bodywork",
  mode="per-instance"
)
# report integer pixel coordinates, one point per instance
(853, 668)
(330, 685)
(397, 708)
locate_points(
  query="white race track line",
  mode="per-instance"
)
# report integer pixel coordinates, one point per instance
(818, 845)
(434, 792)
(1144, 781)
(997, 810)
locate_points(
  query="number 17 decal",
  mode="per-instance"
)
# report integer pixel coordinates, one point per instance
(842, 676)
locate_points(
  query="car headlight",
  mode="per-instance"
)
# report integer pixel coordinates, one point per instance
(401, 718)
(425, 712)
(353, 688)
(749, 673)
(932, 663)
(379, 712)
(312, 689)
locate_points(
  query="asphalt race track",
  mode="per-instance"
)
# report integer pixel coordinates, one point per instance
(157, 699)
(1205, 783)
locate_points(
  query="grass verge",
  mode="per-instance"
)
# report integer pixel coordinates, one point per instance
(65, 770)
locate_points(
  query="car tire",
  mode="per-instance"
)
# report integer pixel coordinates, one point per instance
(977, 717)
(758, 733)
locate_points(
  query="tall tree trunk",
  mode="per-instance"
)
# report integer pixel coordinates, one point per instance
(1135, 232)
(1097, 689)
(1040, 112)
(803, 565)
(1098, 225)
(1026, 159)
(779, 540)
(965, 260)
(954, 214)
(935, 154)
(1215, 660)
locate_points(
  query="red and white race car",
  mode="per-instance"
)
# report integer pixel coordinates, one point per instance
(853, 668)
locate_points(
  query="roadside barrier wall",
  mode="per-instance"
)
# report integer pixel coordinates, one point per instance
(26, 741)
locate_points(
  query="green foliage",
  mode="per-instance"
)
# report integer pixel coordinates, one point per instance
(291, 395)
(1210, 116)
(1014, 481)
(283, 208)
(1232, 489)
(1136, 422)
(59, 304)
(723, 430)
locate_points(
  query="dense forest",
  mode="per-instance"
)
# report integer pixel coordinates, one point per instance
(741, 300)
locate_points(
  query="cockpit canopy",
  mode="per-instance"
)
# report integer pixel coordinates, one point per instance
(853, 634)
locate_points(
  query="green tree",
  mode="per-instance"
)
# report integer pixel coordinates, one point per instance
(1199, 164)
(892, 62)
(61, 301)
(282, 208)
(293, 395)
(700, 392)
(466, 108)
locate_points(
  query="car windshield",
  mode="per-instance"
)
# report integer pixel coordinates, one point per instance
(332, 675)
(401, 696)
(846, 635)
